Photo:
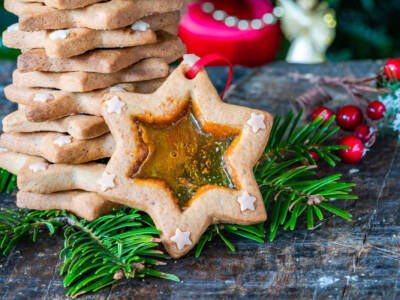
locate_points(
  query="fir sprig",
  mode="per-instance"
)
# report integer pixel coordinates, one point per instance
(288, 139)
(288, 182)
(16, 225)
(8, 181)
(96, 253)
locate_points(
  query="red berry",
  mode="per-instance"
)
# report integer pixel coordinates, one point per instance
(354, 153)
(376, 110)
(314, 155)
(392, 69)
(323, 112)
(363, 132)
(348, 117)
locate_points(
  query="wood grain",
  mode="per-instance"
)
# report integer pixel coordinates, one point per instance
(338, 260)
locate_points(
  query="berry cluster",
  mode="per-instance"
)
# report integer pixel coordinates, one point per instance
(351, 118)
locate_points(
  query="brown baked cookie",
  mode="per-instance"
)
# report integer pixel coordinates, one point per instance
(81, 127)
(147, 69)
(169, 48)
(89, 206)
(41, 105)
(139, 124)
(65, 4)
(47, 104)
(59, 148)
(107, 15)
(76, 41)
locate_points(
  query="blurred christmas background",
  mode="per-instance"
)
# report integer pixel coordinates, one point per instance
(301, 31)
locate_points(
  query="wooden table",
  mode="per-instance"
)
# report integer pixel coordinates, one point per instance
(339, 259)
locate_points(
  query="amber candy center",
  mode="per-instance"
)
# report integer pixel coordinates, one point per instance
(184, 157)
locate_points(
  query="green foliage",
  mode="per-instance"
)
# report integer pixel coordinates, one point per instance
(96, 253)
(288, 182)
(366, 29)
(288, 139)
(8, 181)
(124, 244)
(16, 225)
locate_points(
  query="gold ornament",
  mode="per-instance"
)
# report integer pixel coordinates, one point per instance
(310, 26)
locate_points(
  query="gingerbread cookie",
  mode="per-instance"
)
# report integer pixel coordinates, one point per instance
(89, 206)
(169, 47)
(76, 41)
(147, 69)
(107, 15)
(219, 142)
(59, 148)
(46, 104)
(81, 127)
(65, 4)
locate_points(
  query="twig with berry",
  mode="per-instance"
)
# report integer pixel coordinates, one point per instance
(361, 116)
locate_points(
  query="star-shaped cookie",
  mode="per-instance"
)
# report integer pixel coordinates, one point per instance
(211, 203)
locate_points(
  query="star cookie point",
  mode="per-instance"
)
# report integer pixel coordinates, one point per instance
(190, 59)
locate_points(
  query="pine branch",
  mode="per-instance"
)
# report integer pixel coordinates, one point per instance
(15, 226)
(114, 247)
(288, 183)
(288, 139)
(121, 245)
(8, 181)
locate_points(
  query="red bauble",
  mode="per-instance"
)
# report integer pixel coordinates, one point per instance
(363, 132)
(392, 69)
(213, 27)
(322, 111)
(348, 117)
(376, 110)
(354, 153)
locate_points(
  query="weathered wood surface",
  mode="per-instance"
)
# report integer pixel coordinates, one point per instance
(338, 260)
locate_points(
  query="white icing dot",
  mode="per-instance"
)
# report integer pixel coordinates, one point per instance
(59, 34)
(117, 89)
(114, 105)
(3, 150)
(43, 97)
(39, 167)
(256, 122)
(246, 201)
(190, 59)
(140, 26)
(107, 181)
(63, 140)
(13, 27)
(181, 238)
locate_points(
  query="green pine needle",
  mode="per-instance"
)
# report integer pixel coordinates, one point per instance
(8, 181)
(123, 244)
(101, 252)
(287, 180)
(97, 253)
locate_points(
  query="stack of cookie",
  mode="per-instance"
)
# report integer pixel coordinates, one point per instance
(73, 53)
